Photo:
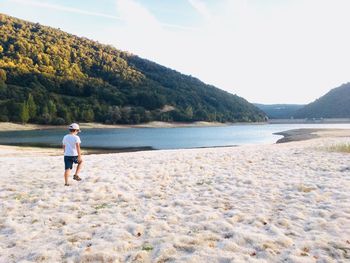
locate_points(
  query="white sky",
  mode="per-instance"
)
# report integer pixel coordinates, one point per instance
(267, 51)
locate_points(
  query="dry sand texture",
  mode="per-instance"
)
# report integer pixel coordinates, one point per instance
(268, 203)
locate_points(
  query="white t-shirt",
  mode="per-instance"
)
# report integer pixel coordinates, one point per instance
(70, 142)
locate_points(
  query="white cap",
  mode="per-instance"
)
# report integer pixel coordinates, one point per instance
(74, 126)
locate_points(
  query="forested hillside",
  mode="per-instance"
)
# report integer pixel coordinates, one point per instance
(279, 111)
(49, 76)
(335, 104)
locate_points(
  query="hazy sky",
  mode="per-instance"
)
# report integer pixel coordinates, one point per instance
(268, 51)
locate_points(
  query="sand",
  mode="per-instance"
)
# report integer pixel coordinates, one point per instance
(258, 203)
(307, 134)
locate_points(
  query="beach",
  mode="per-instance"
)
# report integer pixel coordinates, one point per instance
(256, 203)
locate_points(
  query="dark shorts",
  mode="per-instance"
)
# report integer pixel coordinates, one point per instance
(69, 160)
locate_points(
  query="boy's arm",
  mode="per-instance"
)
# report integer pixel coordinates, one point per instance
(79, 152)
(64, 144)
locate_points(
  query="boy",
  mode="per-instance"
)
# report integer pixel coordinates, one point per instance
(72, 153)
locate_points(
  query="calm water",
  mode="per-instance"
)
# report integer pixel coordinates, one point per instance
(162, 138)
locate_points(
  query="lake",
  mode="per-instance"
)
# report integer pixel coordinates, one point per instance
(162, 138)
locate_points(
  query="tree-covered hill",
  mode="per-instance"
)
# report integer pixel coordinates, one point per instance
(334, 104)
(279, 111)
(49, 76)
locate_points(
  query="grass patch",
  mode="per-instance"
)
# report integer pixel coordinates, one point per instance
(102, 206)
(21, 197)
(147, 247)
(344, 148)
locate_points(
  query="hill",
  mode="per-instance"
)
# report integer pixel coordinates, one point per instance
(279, 111)
(49, 76)
(334, 104)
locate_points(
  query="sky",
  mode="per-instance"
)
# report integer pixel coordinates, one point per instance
(267, 51)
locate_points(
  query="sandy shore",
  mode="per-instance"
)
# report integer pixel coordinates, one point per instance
(307, 134)
(9, 126)
(267, 203)
(23, 151)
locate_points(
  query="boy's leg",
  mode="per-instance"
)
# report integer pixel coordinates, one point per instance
(68, 165)
(66, 175)
(78, 168)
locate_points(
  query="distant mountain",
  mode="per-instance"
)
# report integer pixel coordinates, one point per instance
(279, 111)
(334, 104)
(49, 76)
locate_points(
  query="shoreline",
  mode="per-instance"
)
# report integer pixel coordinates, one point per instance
(309, 134)
(10, 126)
(288, 136)
(57, 150)
(297, 135)
(310, 121)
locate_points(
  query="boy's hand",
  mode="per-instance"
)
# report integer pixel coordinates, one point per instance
(79, 152)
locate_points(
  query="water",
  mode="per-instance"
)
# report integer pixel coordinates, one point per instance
(162, 138)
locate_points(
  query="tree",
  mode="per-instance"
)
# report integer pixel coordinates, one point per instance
(52, 108)
(88, 115)
(2, 80)
(24, 113)
(125, 115)
(64, 113)
(31, 107)
(189, 112)
(45, 110)
(2, 76)
(114, 114)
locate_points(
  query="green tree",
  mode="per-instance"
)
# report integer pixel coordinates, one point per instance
(32, 108)
(2, 81)
(2, 76)
(45, 110)
(125, 115)
(88, 115)
(24, 113)
(63, 112)
(189, 112)
(114, 114)
(52, 108)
